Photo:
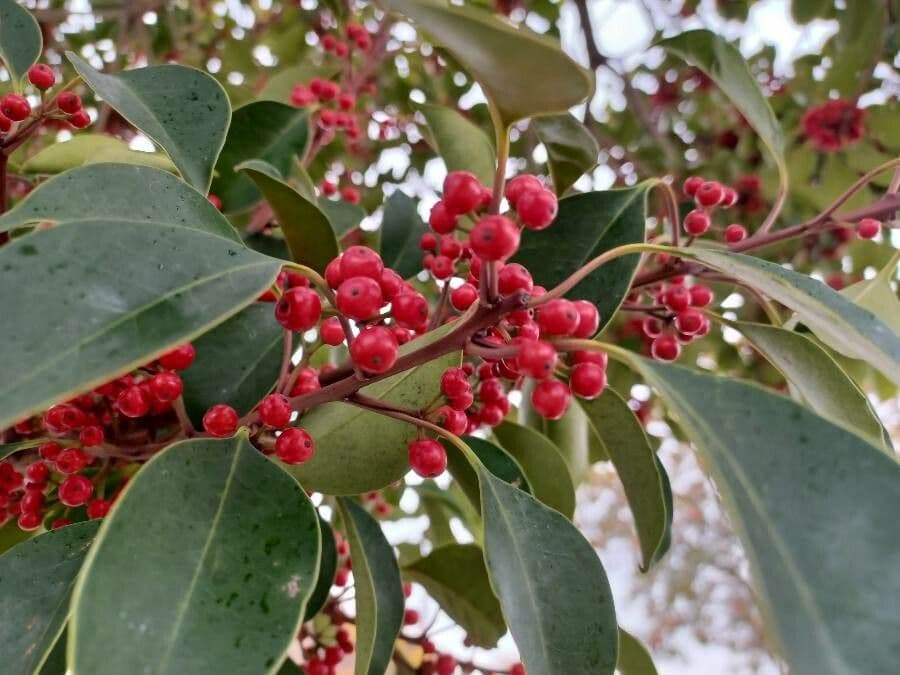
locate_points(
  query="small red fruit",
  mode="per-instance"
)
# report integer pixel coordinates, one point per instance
(521, 185)
(375, 349)
(454, 383)
(133, 401)
(91, 436)
(589, 319)
(587, 380)
(495, 238)
(15, 107)
(710, 193)
(441, 267)
(80, 119)
(331, 331)
(665, 348)
(868, 228)
(299, 309)
(537, 208)
(441, 219)
(98, 508)
(359, 298)
(551, 398)
(537, 359)
(697, 222)
(410, 310)
(275, 410)
(558, 317)
(463, 297)
(220, 421)
(29, 520)
(427, 458)
(71, 460)
(166, 386)
(294, 446)
(462, 192)
(68, 102)
(735, 233)
(361, 261)
(41, 76)
(179, 358)
(701, 295)
(677, 298)
(514, 277)
(692, 184)
(75, 490)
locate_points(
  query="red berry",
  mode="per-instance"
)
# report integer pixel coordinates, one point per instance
(450, 247)
(91, 436)
(589, 319)
(350, 194)
(428, 242)
(517, 669)
(68, 102)
(346, 101)
(696, 222)
(677, 298)
(491, 390)
(299, 309)
(652, 327)
(600, 358)
(391, 283)
(710, 193)
(5, 123)
(317, 667)
(29, 521)
(521, 185)
(494, 238)
(452, 420)
(463, 297)
(691, 185)
(32, 501)
(441, 267)
(462, 192)
(410, 617)
(454, 383)
(328, 188)
(735, 233)
(514, 277)
(60, 522)
(410, 310)
(359, 298)
(179, 358)
(730, 198)
(537, 359)
(701, 295)
(275, 410)
(41, 76)
(868, 228)
(220, 421)
(15, 107)
(331, 331)
(558, 317)
(75, 490)
(550, 399)
(427, 458)
(665, 348)
(445, 665)
(537, 208)
(71, 460)
(294, 446)
(166, 386)
(80, 119)
(133, 402)
(587, 380)
(98, 508)
(361, 261)
(374, 349)
(441, 219)
(37, 473)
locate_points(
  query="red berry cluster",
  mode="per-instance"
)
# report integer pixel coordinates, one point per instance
(709, 195)
(15, 108)
(833, 125)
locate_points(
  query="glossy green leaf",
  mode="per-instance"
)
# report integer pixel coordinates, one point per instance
(634, 658)
(877, 296)
(266, 130)
(401, 228)
(379, 590)
(306, 229)
(359, 451)
(809, 500)
(551, 585)
(342, 215)
(856, 47)
(494, 458)
(36, 581)
(10, 535)
(439, 530)
(521, 73)
(804, 11)
(589, 224)
(727, 68)
(572, 150)
(104, 311)
(21, 41)
(89, 148)
(231, 568)
(71, 197)
(55, 661)
(249, 345)
(626, 444)
(7, 449)
(841, 324)
(542, 464)
(817, 377)
(456, 577)
(327, 568)
(461, 144)
(183, 109)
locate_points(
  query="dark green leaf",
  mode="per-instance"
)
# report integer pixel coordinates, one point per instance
(877, 296)
(439, 531)
(342, 215)
(542, 464)
(401, 228)
(359, 451)
(856, 47)
(71, 197)
(521, 73)
(237, 362)
(183, 109)
(805, 11)
(586, 226)
(36, 581)
(494, 458)
(461, 144)
(55, 662)
(379, 591)
(89, 148)
(306, 229)
(229, 566)
(456, 577)
(838, 322)
(809, 500)
(103, 311)
(272, 132)
(634, 659)
(572, 150)
(727, 68)
(818, 378)
(327, 568)
(21, 41)
(626, 444)
(551, 585)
